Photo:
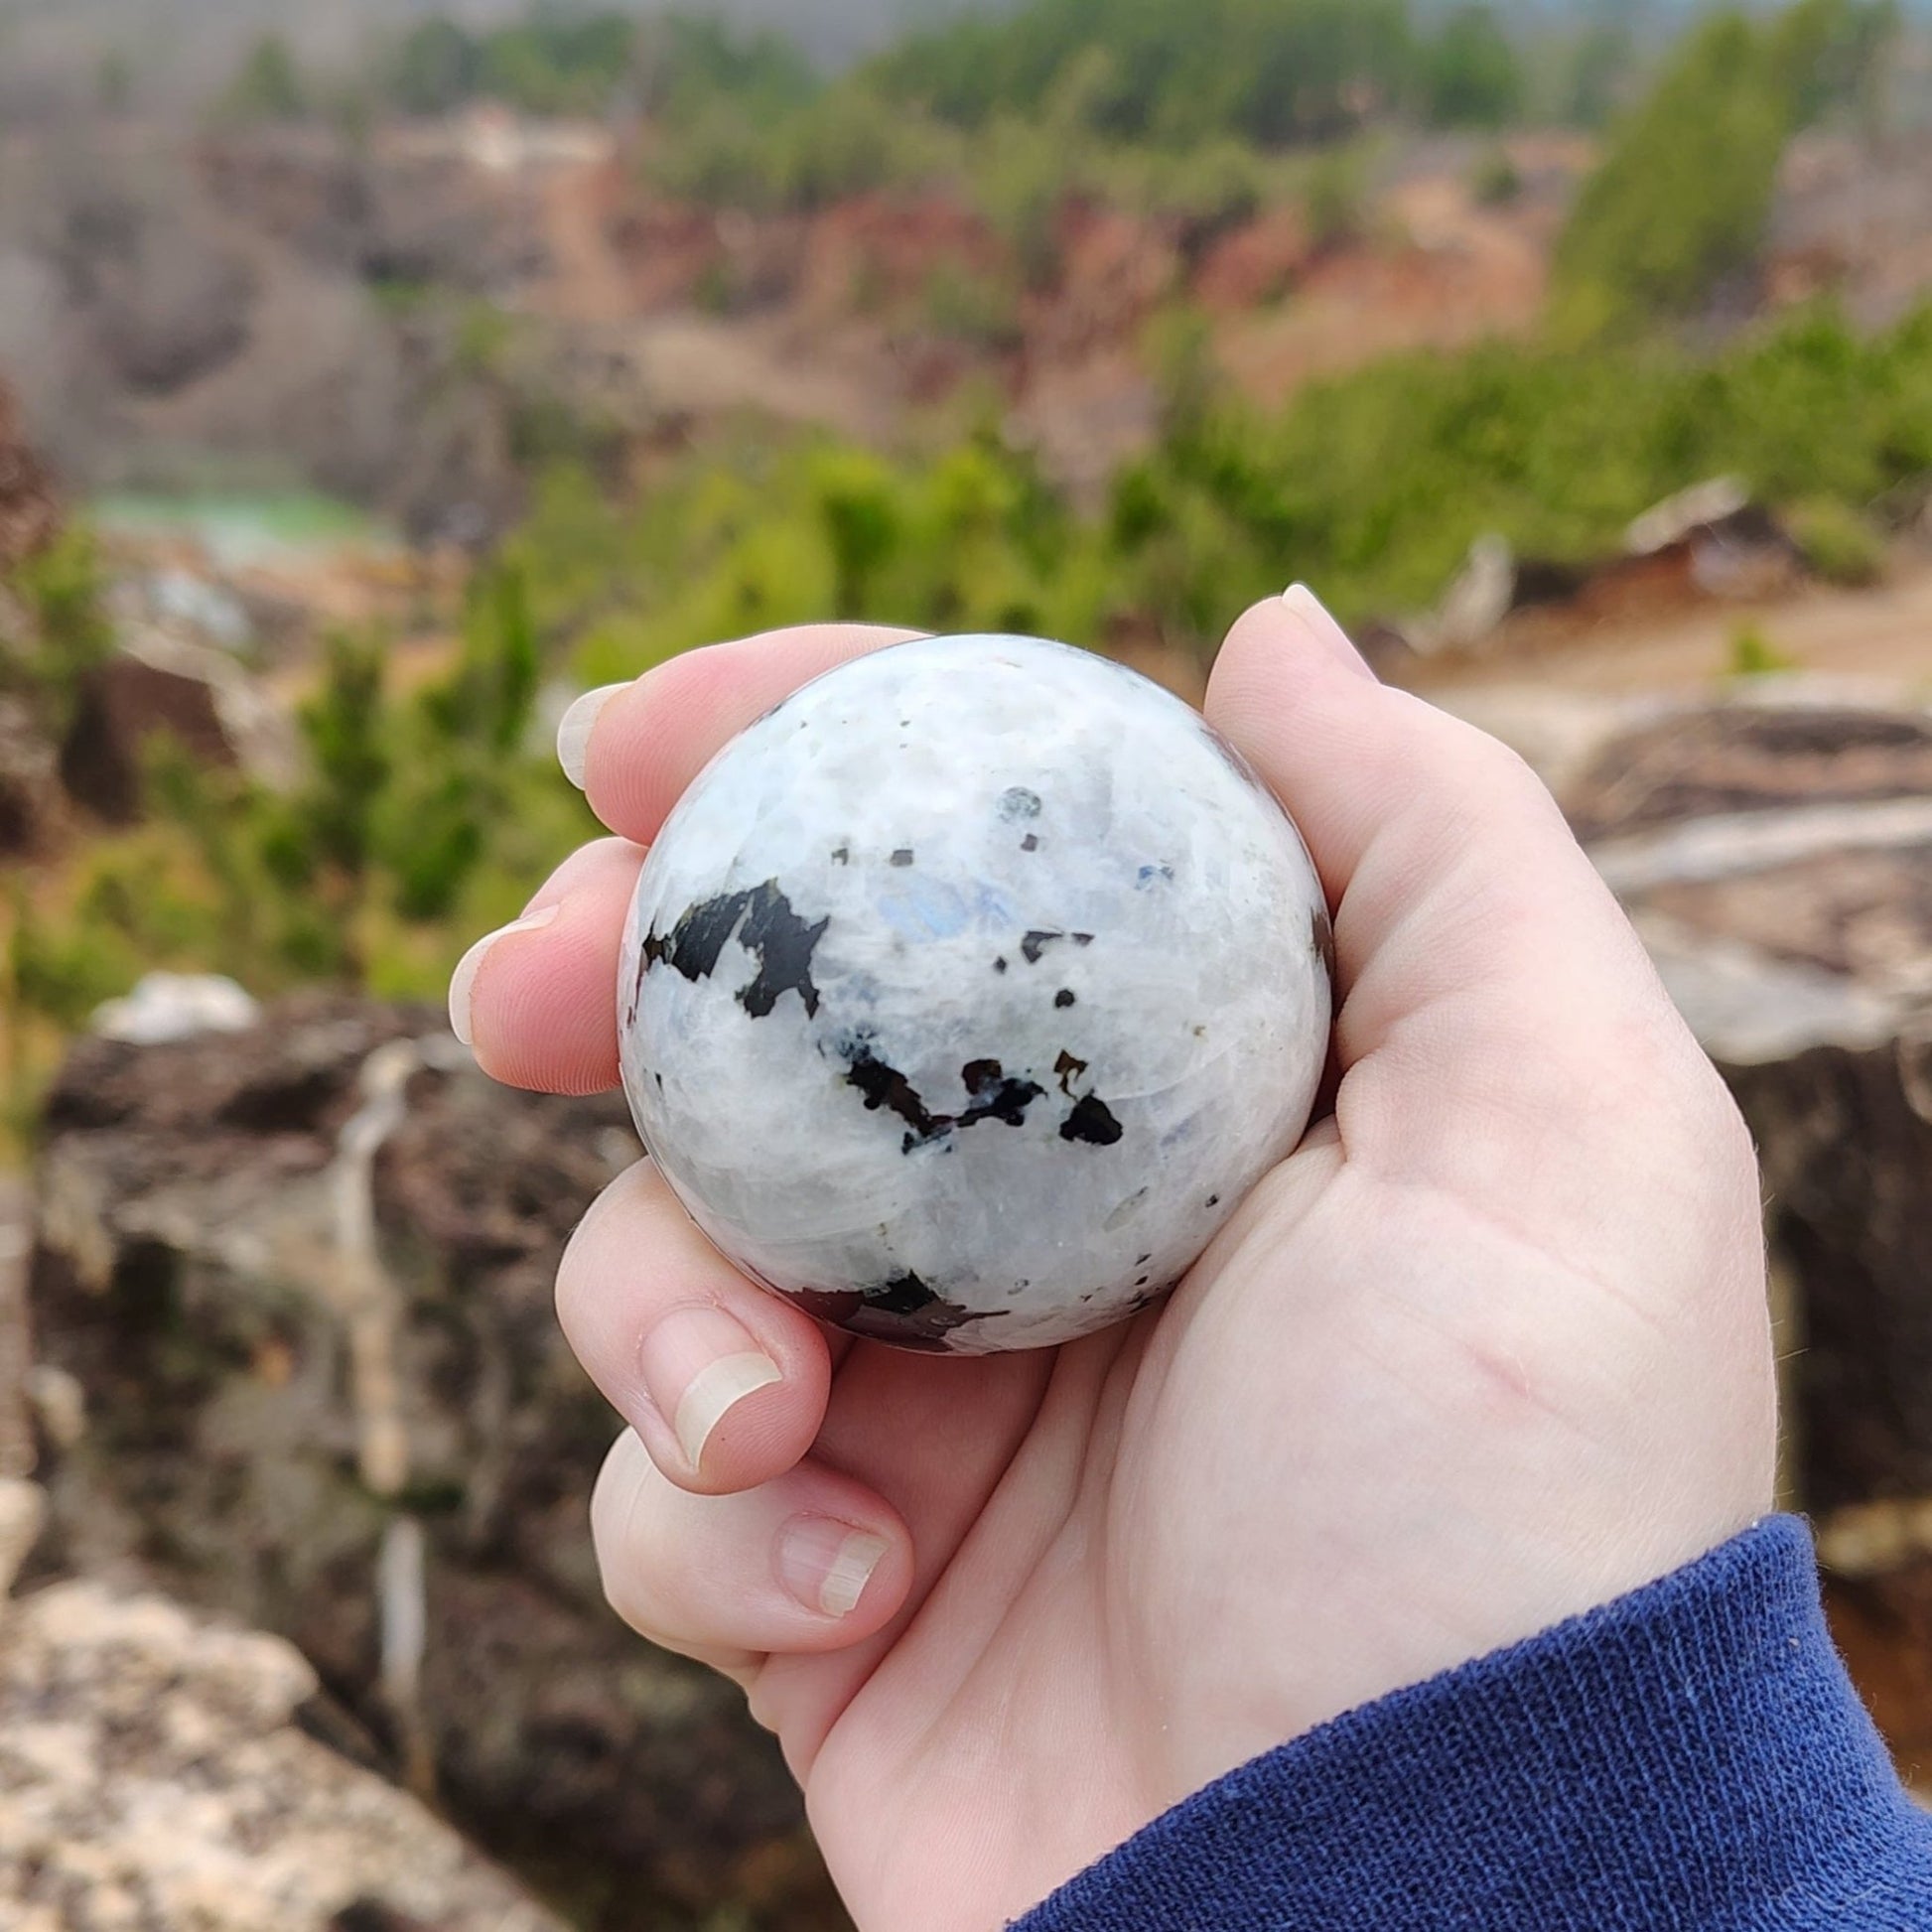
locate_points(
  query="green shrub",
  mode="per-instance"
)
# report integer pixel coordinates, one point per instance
(268, 86)
(974, 308)
(1838, 544)
(1683, 195)
(1600, 68)
(554, 62)
(688, 65)
(1469, 73)
(1178, 71)
(1753, 654)
(1373, 485)
(64, 971)
(1495, 182)
(70, 634)
(1684, 192)
(1336, 197)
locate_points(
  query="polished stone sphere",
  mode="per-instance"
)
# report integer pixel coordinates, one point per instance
(965, 994)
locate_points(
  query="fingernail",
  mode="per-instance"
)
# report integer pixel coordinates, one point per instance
(1315, 617)
(574, 730)
(463, 981)
(699, 1364)
(827, 1565)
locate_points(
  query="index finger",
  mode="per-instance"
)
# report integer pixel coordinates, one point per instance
(651, 738)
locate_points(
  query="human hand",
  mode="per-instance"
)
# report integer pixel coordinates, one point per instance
(1490, 1348)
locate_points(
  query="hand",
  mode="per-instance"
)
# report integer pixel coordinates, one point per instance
(1490, 1348)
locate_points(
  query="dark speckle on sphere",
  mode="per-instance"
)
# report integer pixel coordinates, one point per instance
(903, 856)
(1020, 803)
(1063, 998)
(1092, 1120)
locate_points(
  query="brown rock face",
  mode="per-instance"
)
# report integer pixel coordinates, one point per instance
(328, 1395)
(154, 1771)
(29, 509)
(32, 802)
(32, 805)
(1752, 759)
(123, 704)
(1777, 857)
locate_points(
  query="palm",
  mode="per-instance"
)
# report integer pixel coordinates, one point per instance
(1319, 1454)
(1490, 1348)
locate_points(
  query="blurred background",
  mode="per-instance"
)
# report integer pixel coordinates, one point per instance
(376, 377)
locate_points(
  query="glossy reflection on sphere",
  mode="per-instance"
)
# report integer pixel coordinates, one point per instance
(966, 994)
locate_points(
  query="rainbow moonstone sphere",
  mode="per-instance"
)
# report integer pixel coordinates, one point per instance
(966, 994)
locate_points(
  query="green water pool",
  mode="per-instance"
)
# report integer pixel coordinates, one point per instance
(240, 528)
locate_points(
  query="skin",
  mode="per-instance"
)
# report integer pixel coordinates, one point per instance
(1490, 1349)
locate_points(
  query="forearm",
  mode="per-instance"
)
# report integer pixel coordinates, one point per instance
(1693, 1755)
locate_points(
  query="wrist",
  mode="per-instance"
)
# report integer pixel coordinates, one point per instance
(1691, 1754)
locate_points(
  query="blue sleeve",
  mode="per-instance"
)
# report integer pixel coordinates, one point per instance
(1692, 1757)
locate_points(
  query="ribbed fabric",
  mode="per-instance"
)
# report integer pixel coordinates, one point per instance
(1690, 1757)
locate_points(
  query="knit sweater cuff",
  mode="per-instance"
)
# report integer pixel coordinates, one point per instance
(1690, 1755)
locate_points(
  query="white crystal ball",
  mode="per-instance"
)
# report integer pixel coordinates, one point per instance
(966, 994)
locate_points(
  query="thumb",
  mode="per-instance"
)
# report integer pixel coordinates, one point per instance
(1476, 947)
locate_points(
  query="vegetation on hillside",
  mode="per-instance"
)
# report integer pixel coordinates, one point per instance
(429, 815)
(552, 62)
(268, 86)
(422, 817)
(1372, 485)
(1682, 198)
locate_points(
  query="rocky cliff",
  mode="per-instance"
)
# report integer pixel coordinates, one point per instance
(299, 1277)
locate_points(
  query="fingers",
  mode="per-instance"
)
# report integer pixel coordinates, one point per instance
(811, 1560)
(536, 1001)
(634, 748)
(724, 1384)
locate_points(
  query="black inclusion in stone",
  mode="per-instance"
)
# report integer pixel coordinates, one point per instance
(903, 1294)
(903, 856)
(886, 1086)
(637, 1000)
(1214, 1200)
(1323, 939)
(765, 924)
(1065, 996)
(905, 1312)
(1092, 1121)
(1067, 1069)
(995, 1097)
(999, 965)
(1035, 943)
(1030, 843)
(842, 855)
(1018, 803)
